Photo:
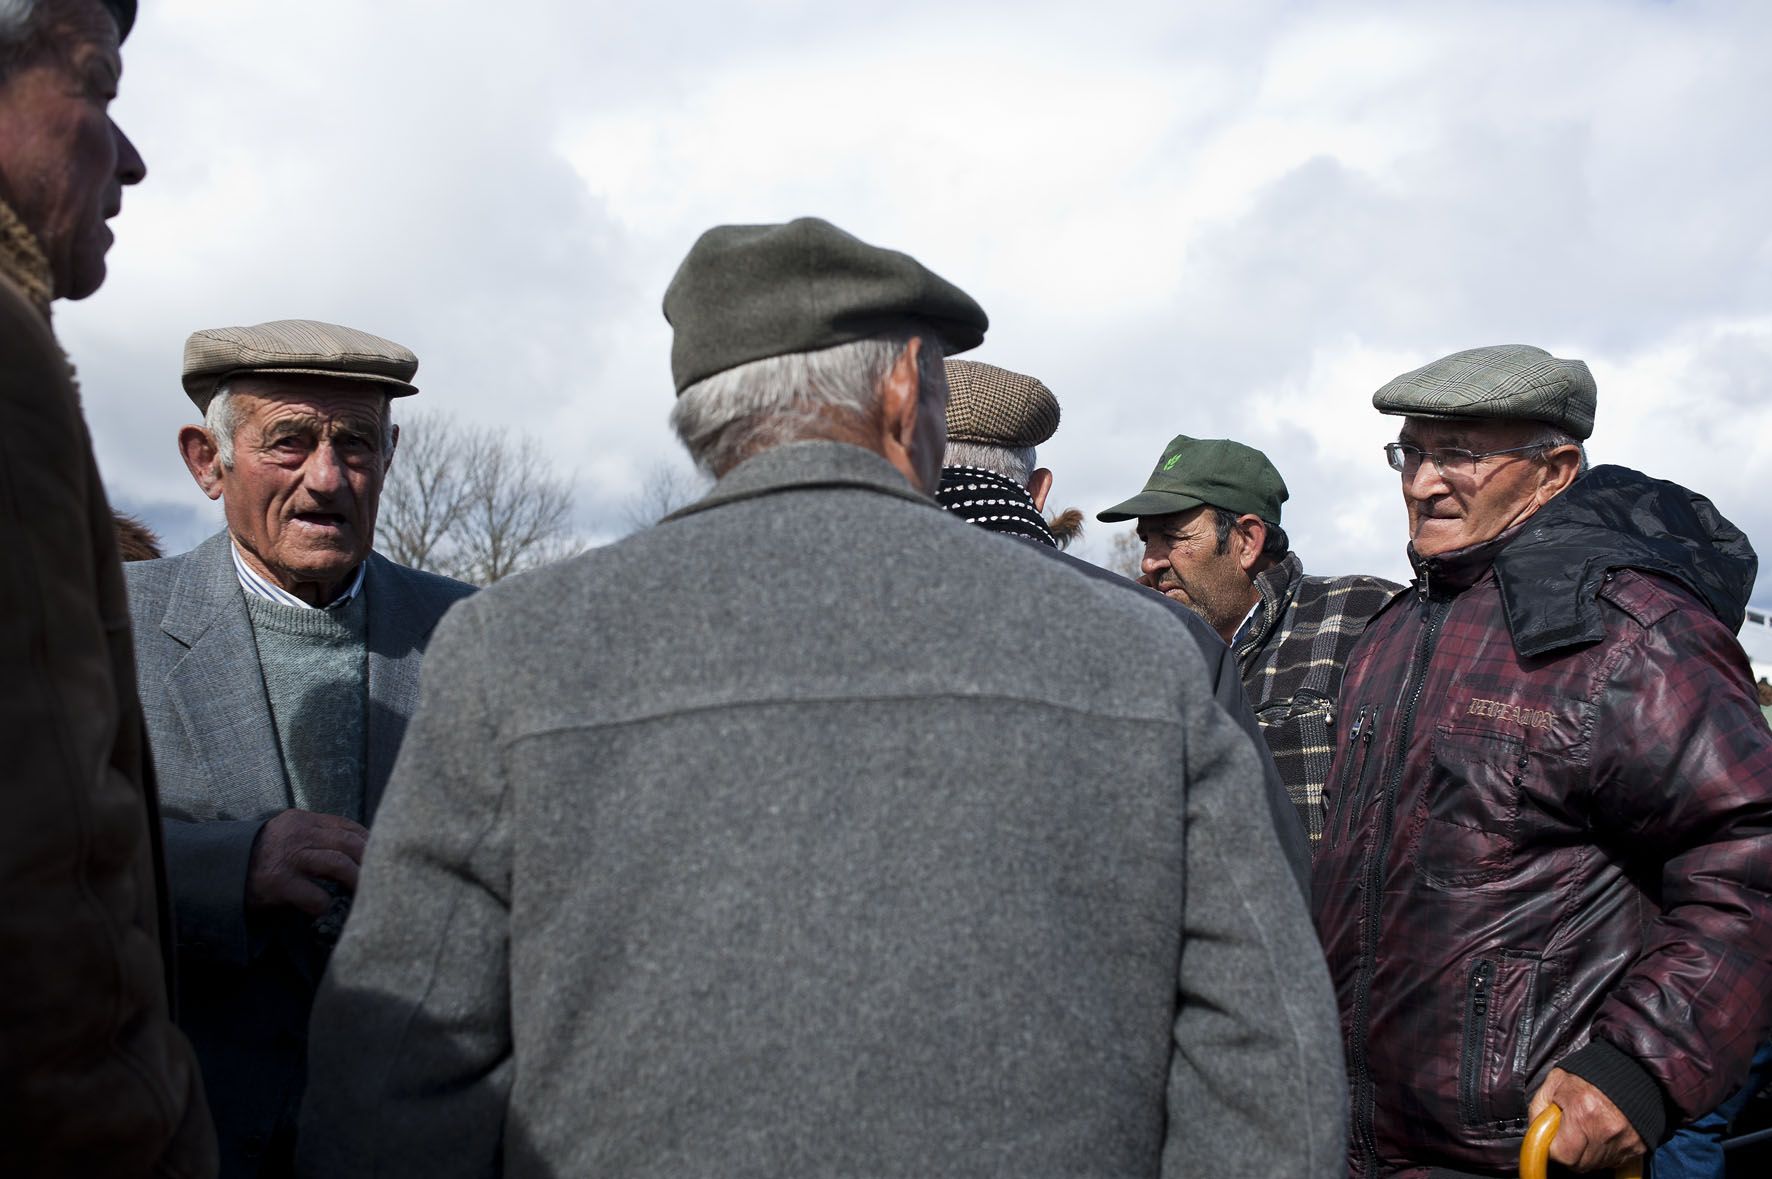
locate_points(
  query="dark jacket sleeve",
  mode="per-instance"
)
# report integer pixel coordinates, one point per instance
(1684, 780)
(94, 1078)
(207, 863)
(1227, 689)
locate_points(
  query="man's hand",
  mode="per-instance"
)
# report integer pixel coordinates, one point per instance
(1593, 1134)
(294, 851)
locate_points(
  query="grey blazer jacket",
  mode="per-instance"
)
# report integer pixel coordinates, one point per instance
(815, 832)
(245, 988)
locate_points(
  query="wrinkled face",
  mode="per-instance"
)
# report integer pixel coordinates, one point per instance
(63, 163)
(1448, 512)
(307, 476)
(1182, 560)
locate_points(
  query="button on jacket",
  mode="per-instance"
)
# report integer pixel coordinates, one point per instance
(1548, 836)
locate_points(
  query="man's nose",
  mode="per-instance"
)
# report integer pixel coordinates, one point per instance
(323, 474)
(1153, 560)
(1425, 481)
(131, 168)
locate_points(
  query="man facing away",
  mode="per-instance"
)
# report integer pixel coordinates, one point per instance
(868, 869)
(991, 473)
(1546, 871)
(1209, 518)
(279, 664)
(94, 1078)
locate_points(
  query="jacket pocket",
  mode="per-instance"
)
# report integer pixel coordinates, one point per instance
(1470, 808)
(1300, 733)
(1351, 776)
(1500, 1018)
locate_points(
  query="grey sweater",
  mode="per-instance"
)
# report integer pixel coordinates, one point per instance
(316, 671)
(814, 832)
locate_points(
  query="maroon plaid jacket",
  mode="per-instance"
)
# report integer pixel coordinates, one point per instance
(1548, 852)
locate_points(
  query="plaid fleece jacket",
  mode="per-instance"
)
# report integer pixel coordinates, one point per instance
(1290, 655)
(1557, 859)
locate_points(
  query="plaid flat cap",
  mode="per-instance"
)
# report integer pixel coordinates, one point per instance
(749, 292)
(296, 346)
(996, 407)
(1515, 381)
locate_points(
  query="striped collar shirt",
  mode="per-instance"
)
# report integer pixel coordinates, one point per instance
(258, 587)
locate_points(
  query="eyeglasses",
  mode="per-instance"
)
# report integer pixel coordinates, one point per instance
(1451, 462)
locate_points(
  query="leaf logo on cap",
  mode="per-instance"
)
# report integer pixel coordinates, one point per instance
(1170, 462)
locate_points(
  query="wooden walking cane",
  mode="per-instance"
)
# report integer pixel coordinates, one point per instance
(1535, 1150)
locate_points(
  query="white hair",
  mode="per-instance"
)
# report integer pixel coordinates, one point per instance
(1011, 462)
(730, 416)
(1549, 438)
(221, 420)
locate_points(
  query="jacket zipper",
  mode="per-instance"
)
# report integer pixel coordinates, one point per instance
(1414, 683)
(1476, 1029)
(1352, 786)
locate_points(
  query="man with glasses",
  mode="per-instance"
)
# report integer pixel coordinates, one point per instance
(1209, 519)
(1546, 869)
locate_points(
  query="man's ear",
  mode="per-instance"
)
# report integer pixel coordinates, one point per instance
(898, 399)
(1561, 466)
(1039, 485)
(202, 459)
(1247, 538)
(393, 445)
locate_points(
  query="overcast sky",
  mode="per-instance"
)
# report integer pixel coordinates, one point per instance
(1185, 217)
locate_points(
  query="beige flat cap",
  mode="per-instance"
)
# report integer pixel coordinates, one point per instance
(304, 346)
(997, 407)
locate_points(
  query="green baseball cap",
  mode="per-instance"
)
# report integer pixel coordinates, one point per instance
(1215, 471)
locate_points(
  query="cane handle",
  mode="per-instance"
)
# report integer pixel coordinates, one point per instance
(1535, 1150)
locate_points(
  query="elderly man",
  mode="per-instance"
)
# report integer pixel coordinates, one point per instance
(94, 1079)
(990, 474)
(1209, 518)
(1546, 875)
(279, 664)
(883, 871)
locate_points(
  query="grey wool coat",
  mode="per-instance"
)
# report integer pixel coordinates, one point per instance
(815, 832)
(245, 984)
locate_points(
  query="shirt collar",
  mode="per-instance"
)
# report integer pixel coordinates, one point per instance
(258, 587)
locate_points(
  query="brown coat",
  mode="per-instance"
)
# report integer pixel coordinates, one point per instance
(94, 1078)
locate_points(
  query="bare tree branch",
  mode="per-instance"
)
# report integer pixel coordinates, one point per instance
(1126, 554)
(472, 503)
(665, 488)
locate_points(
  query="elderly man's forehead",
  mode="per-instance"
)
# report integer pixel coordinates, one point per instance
(271, 398)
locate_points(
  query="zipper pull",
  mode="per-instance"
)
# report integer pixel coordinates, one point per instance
(1353, 734)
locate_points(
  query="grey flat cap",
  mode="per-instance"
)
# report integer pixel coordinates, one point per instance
(996, 407)
(747, 292)
(1515, 381)
(305, 347)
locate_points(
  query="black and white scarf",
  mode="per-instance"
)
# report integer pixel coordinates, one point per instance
(993, 501)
